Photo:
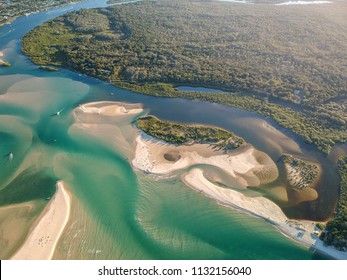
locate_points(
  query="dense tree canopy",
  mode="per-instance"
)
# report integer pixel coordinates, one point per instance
(336, 230)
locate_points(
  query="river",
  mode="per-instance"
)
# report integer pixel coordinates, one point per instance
(118, 213)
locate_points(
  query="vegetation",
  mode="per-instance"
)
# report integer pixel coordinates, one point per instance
(176, 133)
(9, 10)
(335, 233)
(320, 226)
(300, 174)
(288, 70)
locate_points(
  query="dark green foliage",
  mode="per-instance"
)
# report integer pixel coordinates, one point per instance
(336, 230)
(336, 233)
(176, 133)
(274, 62)
(307, 172)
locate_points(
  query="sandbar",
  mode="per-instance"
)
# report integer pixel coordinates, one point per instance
(111, 108)
(41, 242)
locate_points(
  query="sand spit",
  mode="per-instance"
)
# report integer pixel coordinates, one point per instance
(304, 232)
(258, 206)
(243, 164)
(43, 239)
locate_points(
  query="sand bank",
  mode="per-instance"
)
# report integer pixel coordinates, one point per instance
(111, 108)
(4, 63)
(1, 54)
(304, 232)
(41, 242)
(243, 164)
(109, 123)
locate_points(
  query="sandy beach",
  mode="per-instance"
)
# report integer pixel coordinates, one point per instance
(246, 165)
(242, 164)
(42, 240)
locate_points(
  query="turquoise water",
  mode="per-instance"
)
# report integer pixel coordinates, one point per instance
(118, 213)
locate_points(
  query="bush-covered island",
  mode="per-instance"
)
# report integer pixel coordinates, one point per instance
(176, 133)
(300, 173)
(268, 56)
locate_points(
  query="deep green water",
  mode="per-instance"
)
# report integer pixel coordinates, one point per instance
(118, 213)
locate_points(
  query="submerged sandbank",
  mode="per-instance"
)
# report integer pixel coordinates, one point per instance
(44, 237)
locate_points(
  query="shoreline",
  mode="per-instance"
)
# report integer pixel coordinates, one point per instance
(149, 159)
(303, 232)
(41, 242)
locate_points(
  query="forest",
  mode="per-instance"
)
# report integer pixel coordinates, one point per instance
(289, 66)
(336, 229)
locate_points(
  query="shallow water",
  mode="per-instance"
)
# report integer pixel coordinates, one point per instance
(118, 213)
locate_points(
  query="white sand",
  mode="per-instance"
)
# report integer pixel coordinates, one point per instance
(1, 54)
(43, 239)
(258, 206)
(302, 231)
(2, 62)
(149, 157)
(110, 108)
